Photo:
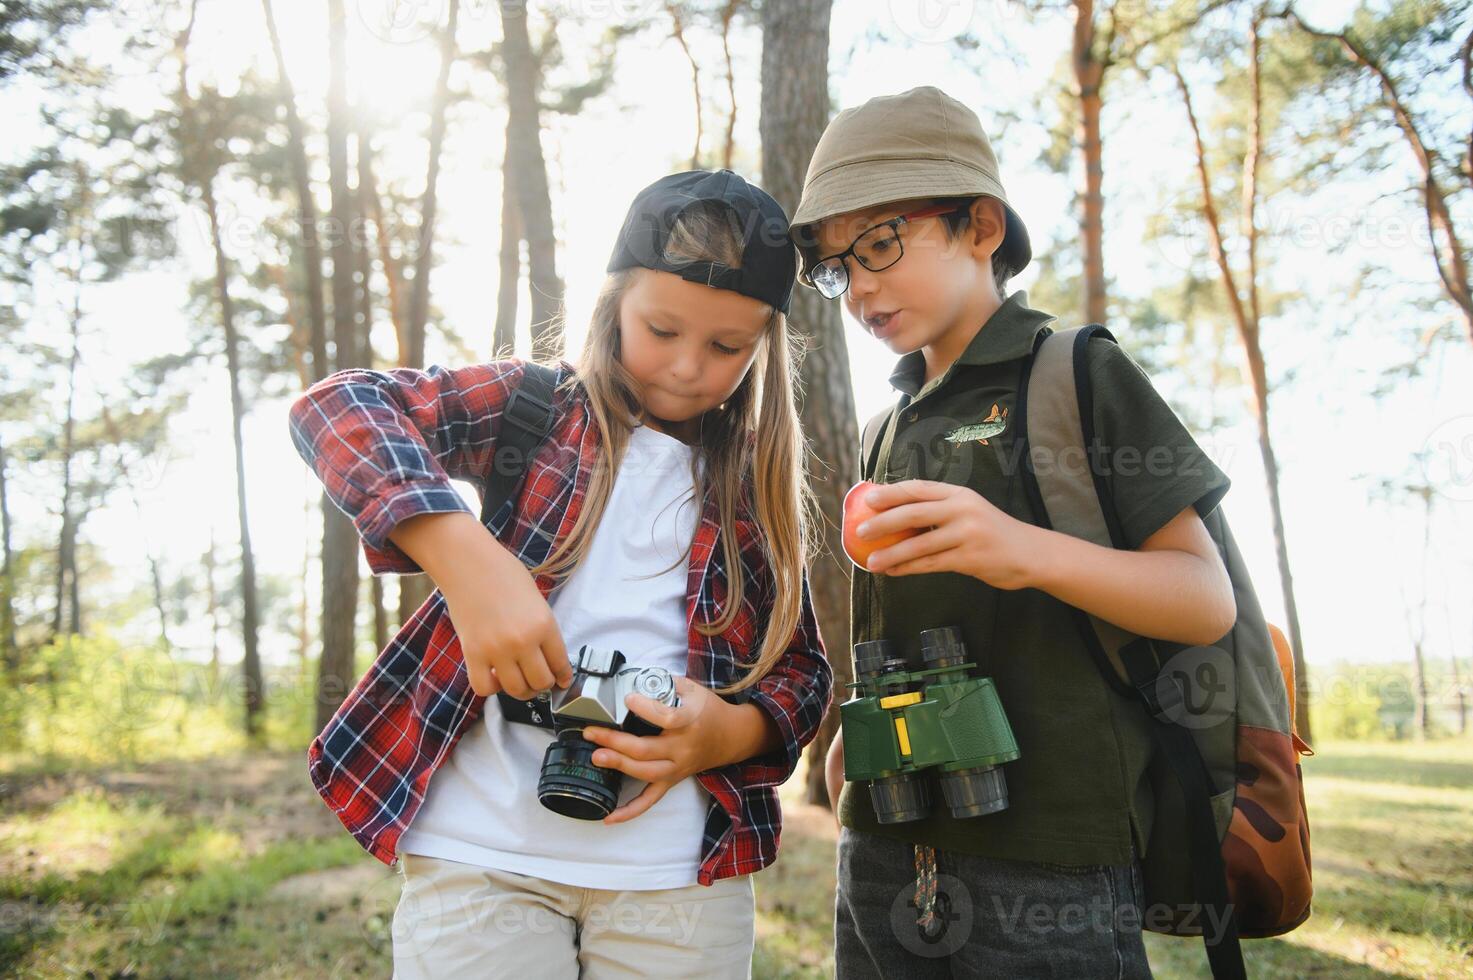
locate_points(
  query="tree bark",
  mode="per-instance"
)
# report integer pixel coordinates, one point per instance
(371, 203)
(306, 205)
(212, 599)
(255, 688)
(156, 577)
(504, 335)
(252, 680)
(795, 104)
(419, 296)
(534, 201)
(339, 538)
(677, 31)
(1089, 76)
(9, 651)
(1248, 334)
(728, 148)
(66, 550)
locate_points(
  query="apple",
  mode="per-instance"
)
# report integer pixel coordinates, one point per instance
(856, 512)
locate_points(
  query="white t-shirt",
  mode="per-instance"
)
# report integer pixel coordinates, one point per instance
(628, 594)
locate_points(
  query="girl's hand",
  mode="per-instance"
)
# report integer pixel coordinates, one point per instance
(962, 532)
(508, 637)
(704, 733)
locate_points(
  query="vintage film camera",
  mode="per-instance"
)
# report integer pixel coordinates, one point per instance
(570, 783)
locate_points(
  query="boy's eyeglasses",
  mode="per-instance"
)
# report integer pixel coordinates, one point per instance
(876, 248)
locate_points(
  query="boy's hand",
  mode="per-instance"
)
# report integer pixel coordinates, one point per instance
(704, 733)
(966, 534)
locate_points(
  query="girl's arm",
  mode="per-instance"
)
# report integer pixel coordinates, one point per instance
(795, 695)
(386, 444)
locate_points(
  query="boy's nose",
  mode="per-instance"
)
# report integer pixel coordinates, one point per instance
(862, 282)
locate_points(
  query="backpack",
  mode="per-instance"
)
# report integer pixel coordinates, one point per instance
(526, 419)
(1228, 855)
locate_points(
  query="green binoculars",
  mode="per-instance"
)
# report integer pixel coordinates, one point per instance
(903, 725)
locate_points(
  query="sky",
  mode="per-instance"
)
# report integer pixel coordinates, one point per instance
(1357, 561)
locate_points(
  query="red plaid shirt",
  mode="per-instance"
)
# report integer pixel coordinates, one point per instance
(386, 445)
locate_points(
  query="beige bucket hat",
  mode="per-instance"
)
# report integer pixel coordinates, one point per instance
(921, 143)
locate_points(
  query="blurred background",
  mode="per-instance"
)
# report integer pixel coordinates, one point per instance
(207, 205)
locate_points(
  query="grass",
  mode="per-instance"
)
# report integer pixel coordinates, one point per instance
(231, 867)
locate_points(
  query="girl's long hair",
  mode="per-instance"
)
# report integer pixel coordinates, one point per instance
(755, 432)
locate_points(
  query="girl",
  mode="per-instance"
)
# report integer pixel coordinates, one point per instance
(665, 516)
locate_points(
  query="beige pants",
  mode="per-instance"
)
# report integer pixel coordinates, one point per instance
(461, 920)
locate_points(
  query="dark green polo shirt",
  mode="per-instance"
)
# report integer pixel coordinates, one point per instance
(1079, 793)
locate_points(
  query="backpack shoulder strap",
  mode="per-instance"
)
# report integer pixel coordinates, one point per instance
(874, 435)
(526, 420)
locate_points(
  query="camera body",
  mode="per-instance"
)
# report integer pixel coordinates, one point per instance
(903, 726)
(570, 783)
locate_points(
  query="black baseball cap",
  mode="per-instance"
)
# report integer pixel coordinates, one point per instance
(769, 259)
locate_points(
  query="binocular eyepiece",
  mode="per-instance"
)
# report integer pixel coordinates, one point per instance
(905, 727)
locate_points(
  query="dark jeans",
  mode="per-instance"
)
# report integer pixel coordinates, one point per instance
(998, 918)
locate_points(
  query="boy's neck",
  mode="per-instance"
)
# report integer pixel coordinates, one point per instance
(943, 352)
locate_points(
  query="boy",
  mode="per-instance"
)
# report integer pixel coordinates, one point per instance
(903, 215)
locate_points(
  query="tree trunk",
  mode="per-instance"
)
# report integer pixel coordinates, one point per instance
(212, 599)
(9, 652)
(66, 551)
(1248, 334)
(504, 335)
(728, 148)
(795, 104)
(306, 205)
(677, 31)
(1460, 696)
(380, 613)
(534, 201)
(304, 628)
(1421, 711)
(1089, 76)
(155, 574)
(255, 688)
(339, 537)
(372, 204)
(419, 298)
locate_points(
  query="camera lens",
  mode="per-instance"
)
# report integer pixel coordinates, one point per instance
(571, 784)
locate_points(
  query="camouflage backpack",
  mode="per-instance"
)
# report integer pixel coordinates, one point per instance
(1228, 855)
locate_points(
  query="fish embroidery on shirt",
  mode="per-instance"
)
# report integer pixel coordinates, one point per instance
(993, 425)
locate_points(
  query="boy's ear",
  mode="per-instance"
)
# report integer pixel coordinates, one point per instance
(987, 226)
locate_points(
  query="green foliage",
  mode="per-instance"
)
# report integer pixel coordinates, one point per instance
(91, 701)
(1378, 701)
